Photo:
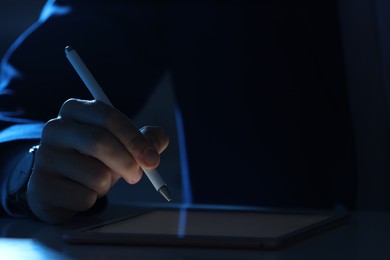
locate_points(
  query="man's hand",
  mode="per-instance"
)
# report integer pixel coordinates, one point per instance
(83, 153)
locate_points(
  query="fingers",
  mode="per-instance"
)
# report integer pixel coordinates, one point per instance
(67, 194)
(157, 136)
(65, 182)
(74, 185)
(83, 169)
(104, 116)
(93, 141)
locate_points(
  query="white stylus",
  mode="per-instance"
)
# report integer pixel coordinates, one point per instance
(99, 95)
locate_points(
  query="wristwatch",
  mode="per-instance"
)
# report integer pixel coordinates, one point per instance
(17, 184)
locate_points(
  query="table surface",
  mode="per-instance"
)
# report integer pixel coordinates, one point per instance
(365, 236)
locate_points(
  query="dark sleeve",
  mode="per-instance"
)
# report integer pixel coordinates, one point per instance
(36, 78)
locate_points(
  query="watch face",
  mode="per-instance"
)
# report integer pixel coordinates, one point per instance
(21, 173)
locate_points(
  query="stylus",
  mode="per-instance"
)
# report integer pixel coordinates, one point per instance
(97, 92)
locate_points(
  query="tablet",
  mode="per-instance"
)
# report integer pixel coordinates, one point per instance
(210, 227)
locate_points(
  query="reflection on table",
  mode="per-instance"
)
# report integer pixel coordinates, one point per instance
(366, 236)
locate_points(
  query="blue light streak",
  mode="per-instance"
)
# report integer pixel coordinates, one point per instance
(7, 71)
(185, 173)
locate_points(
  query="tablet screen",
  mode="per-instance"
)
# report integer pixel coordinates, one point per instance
(206, 223)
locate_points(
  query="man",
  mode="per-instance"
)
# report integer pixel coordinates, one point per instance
(260, 90)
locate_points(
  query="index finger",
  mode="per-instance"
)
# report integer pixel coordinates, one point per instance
(102, 115)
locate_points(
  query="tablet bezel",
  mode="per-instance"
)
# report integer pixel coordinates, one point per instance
(85, 236)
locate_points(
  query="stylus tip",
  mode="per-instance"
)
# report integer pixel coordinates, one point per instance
(165, 193)
(68, 49)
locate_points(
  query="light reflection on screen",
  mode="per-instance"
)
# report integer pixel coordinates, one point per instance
(184, 222)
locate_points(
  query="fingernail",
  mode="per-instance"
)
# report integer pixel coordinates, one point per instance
(151, 157)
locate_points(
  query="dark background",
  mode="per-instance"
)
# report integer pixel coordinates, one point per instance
(15, 17)
(365, 27)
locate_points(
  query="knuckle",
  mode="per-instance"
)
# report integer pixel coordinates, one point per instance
(71, 102)
(73, 106)
(98, 141)
(69, 106)
(50, 129)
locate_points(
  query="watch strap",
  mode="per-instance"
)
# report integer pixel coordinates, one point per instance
(17, 204)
